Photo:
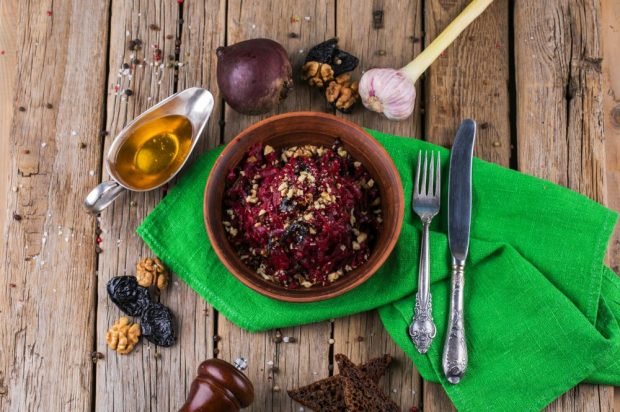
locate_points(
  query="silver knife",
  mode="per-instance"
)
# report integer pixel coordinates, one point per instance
(454, 360)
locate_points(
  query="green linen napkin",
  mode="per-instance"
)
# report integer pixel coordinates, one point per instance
(542, 310)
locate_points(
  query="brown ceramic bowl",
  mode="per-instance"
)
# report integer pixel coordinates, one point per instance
(301, 128)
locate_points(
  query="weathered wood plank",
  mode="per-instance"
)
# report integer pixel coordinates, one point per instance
(47, 300)
(305, 360)
(362, 336)
(558, 67)
(470, 79)
(610, 35)
(204, 30)
(8, 72)
(151, 378)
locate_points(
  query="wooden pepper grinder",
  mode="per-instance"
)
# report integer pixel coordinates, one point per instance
(219, 387)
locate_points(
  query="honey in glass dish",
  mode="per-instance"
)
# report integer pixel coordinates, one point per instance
(154, 152)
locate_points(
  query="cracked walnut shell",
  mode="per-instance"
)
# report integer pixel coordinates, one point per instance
(123, 336)
(317, 74)
(342, 92)
(152, 272)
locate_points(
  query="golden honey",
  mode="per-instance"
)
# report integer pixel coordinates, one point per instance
(154, 152)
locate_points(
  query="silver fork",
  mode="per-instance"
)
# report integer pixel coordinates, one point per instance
(426, 200)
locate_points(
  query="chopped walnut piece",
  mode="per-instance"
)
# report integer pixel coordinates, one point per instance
(152, 272)
(123, 336)
(342, 93)
(317, 74)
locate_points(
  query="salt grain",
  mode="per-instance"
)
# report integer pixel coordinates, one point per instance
(91, 172)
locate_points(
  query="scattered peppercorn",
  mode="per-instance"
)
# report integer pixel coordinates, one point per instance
(135, 44)
(95, 356)
(26, 151)
(49, 106)
(360, 339)
(154, 27)
(169, 36)
(17, 217)
(12, 285)
(82, 145)
(21, 108)
(128, 92)
(293, 35)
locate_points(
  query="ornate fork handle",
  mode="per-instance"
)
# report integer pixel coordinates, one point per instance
(455, 348)
(423, 330)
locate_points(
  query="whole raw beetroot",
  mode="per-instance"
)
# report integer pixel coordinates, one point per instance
(254, 75)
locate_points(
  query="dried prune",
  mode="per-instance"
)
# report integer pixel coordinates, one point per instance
(343, 62)
(322, 52)
(130, 297)
(158, 325)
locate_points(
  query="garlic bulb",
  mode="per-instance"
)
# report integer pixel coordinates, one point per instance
(388, 91)
(392, 92)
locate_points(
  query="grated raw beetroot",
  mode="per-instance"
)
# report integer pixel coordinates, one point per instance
(301, 216)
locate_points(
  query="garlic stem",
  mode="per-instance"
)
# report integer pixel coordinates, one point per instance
(415, 69)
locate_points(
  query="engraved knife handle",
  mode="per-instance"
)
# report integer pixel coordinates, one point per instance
(422, 330)
(454, 360)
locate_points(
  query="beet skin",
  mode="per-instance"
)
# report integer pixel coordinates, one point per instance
(254, 75)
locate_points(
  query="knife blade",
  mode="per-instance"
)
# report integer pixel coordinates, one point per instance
(459, 195)
(455, 357)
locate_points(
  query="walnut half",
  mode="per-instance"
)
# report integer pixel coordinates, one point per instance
(342, 93)
(152, 272)
(123, 336)
(317, 74)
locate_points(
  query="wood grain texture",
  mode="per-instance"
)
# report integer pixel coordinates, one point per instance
(150, 378)
(394, 45)
(204, 30)
(307, 359)
(48, 279)
(469, 80)
(8, 72)
(362, 337)
(558, 68)
(610, 35)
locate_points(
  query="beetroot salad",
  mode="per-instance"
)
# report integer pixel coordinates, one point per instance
(303, 215)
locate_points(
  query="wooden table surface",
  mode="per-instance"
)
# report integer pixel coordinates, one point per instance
(537, 76)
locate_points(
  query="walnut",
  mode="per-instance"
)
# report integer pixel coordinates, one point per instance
(151, 272)
(342, 92)
(317, 74)
(123, 336)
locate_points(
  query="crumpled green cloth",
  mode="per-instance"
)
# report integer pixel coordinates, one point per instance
(541, 308)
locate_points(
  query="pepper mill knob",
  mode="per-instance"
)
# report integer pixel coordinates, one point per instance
(218, 387)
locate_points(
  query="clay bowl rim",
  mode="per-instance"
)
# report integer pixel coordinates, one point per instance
(317, 293)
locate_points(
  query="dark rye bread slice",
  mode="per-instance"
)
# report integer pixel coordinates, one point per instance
(361, 394)
(327, 394)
